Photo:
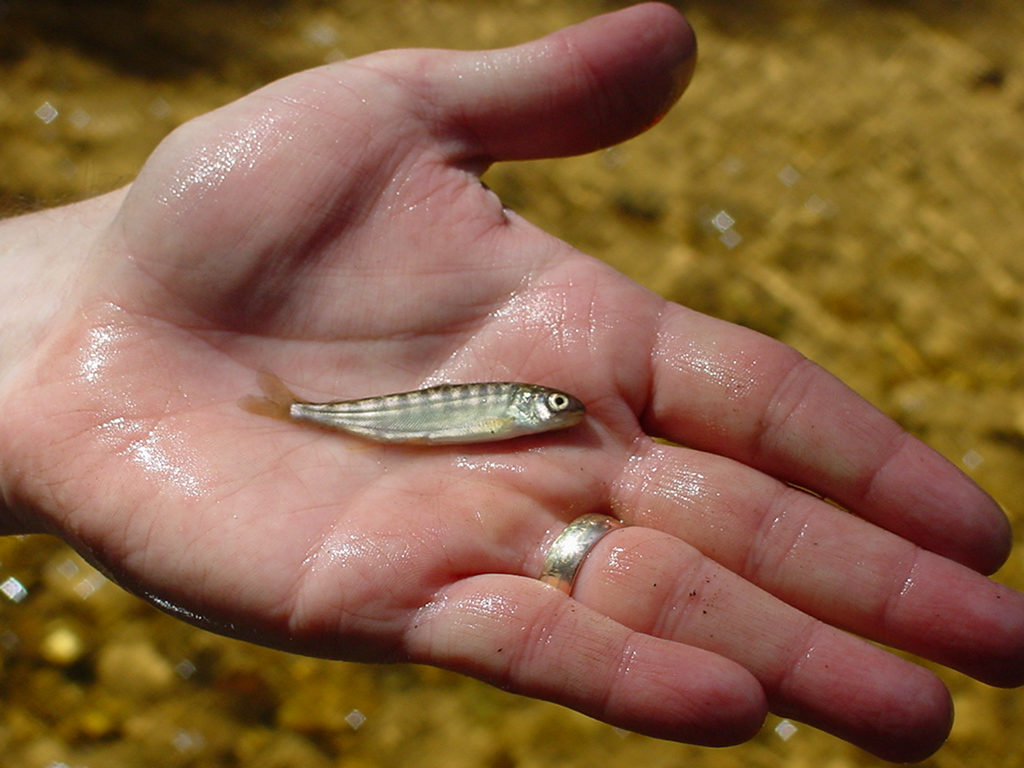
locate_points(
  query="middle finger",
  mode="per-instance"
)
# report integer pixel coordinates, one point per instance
(825, 561)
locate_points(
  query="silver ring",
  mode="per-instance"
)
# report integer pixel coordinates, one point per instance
(571, 548)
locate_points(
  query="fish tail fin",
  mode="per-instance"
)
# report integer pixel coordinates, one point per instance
(277, 399)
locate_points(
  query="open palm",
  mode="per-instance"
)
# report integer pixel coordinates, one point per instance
(332, 228)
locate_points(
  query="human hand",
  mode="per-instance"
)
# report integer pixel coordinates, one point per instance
(332, 227)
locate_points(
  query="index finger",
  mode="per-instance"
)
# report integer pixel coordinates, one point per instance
(734, 392)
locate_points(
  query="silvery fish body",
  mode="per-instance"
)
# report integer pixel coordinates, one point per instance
(446, 414)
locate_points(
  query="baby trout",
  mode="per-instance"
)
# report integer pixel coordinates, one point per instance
(446, 414)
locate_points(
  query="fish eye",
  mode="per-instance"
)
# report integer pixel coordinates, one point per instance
(557, 401)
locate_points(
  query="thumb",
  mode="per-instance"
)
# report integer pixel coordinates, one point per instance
(579, 89)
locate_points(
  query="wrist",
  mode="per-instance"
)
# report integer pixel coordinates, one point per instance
(42, 259)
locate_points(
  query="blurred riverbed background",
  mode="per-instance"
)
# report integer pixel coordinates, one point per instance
(847, 177)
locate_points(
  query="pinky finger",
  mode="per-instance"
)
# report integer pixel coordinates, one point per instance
(526, 637)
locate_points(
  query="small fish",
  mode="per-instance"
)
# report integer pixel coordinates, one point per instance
(446, 414)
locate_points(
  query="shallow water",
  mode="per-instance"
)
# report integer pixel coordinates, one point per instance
(846, 177)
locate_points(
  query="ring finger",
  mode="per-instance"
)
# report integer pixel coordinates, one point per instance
(654, 583)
